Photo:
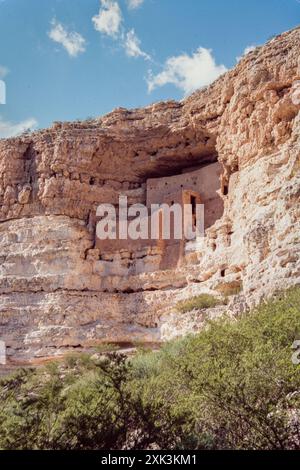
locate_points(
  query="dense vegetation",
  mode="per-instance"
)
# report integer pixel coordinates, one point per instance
(234, 386)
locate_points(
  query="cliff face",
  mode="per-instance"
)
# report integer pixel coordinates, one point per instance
(59, 289)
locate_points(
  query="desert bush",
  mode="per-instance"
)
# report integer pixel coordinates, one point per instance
(197, 303)
(237, 378)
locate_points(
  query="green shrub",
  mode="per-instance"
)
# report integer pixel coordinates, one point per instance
(107, 348)
(238, 380)
(232, 386)
(197, 303)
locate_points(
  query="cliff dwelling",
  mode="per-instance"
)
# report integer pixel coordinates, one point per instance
(193, 185)
(184, 188)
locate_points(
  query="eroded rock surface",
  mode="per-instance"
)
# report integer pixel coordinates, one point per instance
(60, 290)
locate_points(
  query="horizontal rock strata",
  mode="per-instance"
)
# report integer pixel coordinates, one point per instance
(60, 289)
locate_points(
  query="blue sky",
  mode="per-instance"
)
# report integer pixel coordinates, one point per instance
(72, 59)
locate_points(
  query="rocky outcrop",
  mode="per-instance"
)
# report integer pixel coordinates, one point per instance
(59, 290)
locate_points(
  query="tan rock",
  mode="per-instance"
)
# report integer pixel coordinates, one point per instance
(60, 290)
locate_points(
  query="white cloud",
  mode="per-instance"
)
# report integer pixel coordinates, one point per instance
(109, 18)
(188, 72)
(3, 71)
(246, 51)
(249, 49)
(132, 46)
(133, 4)
(109, 21)
(73, 42)
(9, 129)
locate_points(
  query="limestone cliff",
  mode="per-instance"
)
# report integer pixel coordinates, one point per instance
(60, 289)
